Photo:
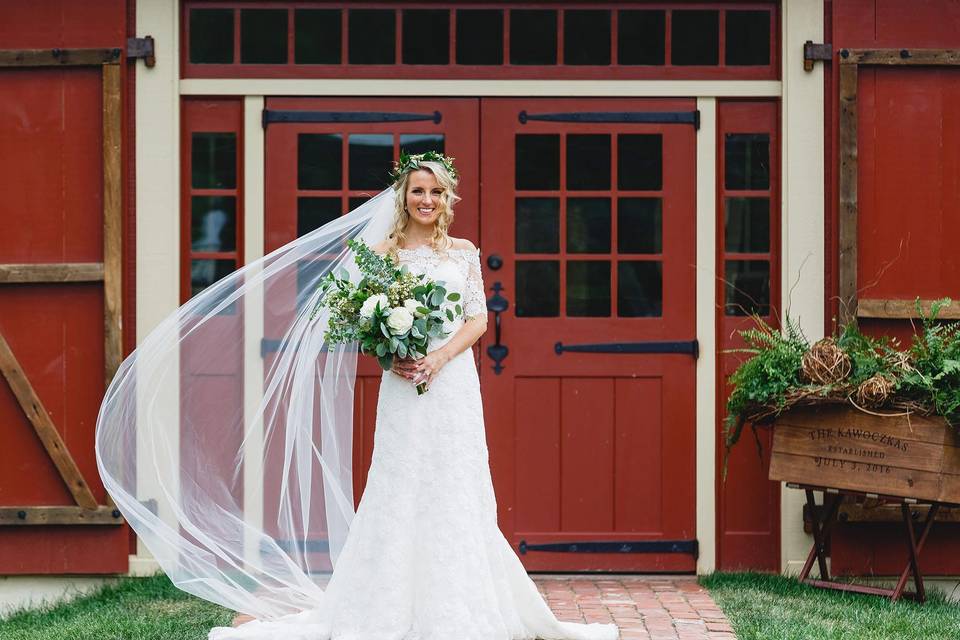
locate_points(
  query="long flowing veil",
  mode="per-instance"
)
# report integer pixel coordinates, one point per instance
(226, 437)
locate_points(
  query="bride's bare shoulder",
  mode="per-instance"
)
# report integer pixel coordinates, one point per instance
(462, 243)
(381, 247)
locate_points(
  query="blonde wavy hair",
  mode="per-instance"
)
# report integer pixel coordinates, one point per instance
(401, 217)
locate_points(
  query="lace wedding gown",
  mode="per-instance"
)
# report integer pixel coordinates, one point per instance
(424, 558)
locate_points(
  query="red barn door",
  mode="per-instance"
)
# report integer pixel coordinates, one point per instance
(60, 341)
(589, 240)
(326, 156)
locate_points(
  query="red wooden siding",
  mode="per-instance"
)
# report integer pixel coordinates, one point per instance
(51, 180)
(748, 505)
(908, 190)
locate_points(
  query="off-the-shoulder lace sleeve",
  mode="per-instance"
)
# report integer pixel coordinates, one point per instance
(475, 301)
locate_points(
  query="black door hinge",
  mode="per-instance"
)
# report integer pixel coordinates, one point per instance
(813, 52)
(142, 48)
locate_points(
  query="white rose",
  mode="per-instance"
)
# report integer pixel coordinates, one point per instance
(412, 306)
(400, 320)
(370, 305)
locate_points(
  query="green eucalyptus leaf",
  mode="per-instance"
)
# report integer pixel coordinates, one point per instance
(453, 297)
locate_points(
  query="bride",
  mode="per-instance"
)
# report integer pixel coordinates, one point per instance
(422, 558)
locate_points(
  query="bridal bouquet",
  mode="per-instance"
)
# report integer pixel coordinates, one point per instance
(390, 312)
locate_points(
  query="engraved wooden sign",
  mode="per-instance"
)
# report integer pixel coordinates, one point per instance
(840, 447)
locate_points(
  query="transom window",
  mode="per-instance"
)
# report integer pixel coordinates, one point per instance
(615, 40)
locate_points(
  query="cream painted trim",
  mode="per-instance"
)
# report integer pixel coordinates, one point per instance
(802, 239)
(480, 88)
(706, 231)
(158, 213)
(253, 246)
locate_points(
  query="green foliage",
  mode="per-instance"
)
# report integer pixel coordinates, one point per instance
(765, 378)
(926, 377)
(868, 356)
(935, 358)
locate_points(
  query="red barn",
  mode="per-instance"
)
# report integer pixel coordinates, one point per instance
(639, 177)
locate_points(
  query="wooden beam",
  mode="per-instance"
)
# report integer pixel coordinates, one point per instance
(52, 272)
(901, 57)
(58, 57)
(26, 516)
(903, 309)
(37, 415)
(848, 193)
(112, 220)
(853, 512)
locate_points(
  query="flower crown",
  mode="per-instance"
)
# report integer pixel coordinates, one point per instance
(409, 163)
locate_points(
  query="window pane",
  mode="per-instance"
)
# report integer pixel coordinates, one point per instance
(748, 37)
(426, 36)
(309, 273)
(641, 37)
(371, 159)
(695, 37)
(204, 273)
(537, 225)
(356, 201)
(586, 37)
(747, 160)
(263, 36)
(588, 225)
(372, 37)
(538, 288)
(213, 223)
(414, 143)
(313, 213)
(318, 36)
(538, 161)
(588, 161)
(213, 160)
(588, 288)
(533, 36)
(639, 225)
(640, 161)
(747, 225)
(319, 161)
(211, 36)
(639, 289)
(747, 287)
(480, 36)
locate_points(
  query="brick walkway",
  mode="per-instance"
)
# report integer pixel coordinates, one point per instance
(647, 607)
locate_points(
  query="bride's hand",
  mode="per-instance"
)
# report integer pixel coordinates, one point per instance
(427, 367)
(405, 368)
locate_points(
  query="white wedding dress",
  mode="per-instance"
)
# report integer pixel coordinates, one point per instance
(424, 558)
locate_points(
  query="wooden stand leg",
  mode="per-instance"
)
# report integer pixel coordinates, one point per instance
(821, 533)
(914, 547)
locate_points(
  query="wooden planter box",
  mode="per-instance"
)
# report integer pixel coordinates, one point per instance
(840, 447)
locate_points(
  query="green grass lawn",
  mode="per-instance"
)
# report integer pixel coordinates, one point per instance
(133, 609)
(770, 607)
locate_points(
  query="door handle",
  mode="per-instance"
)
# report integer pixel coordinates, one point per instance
(498, 304)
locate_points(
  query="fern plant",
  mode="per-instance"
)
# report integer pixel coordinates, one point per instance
(765, 378)
(925, 377)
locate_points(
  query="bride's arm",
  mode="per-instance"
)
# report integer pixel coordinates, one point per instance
(475, 310)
